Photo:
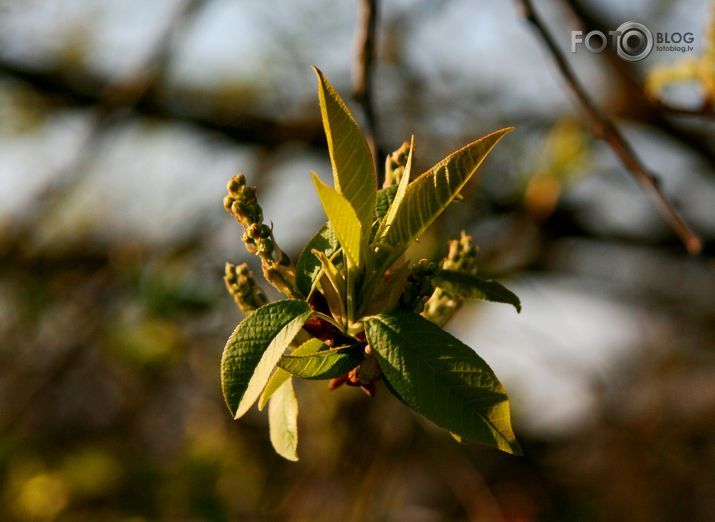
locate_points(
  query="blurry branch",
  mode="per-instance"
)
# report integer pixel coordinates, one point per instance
(363, 70)
(656, 111)
(121, 92)
(603, 128)
(87, 91)
(84, 90)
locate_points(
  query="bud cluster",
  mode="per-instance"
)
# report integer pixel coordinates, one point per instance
(462, 257)
(419, 286)
(242, 204)
(242, 286)
(395, 165)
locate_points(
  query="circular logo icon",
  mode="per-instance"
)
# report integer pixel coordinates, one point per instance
(634, 41)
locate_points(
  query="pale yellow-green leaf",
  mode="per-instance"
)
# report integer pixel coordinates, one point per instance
(333, 285)
(399, 195)
(254, 348)
(283, 421)
(353, 166)
(343, 220)
(280, 375)
(429, 195)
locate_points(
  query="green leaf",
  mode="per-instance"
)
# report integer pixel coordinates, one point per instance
(385, 197)
(322, 365)
(399, 195)
(308, 266)
(343, 220)
(280, 376)
(441, 378)
(467, 286)
(430, 194)
(254, 348)
(353, 166)
(283, 421)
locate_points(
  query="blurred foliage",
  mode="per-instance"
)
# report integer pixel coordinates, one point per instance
(699, 71)
(110, 402)
(563, 160)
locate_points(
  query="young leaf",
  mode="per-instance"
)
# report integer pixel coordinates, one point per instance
(333, 286)
(441, 378)
(468, 286)
(343, 220)
(283, 421)
(428, 195)
(254, 348)
(308, 266)
(353, 166)
(322, 365)
(399, 195)
(280, 376)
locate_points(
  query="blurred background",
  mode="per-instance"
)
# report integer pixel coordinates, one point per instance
(121, 122)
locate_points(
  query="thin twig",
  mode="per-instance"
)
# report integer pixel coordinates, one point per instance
(364, 68)
(603, 128)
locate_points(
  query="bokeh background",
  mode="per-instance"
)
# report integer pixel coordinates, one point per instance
(122, 120)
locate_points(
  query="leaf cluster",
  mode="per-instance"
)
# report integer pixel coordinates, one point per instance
(356, 311)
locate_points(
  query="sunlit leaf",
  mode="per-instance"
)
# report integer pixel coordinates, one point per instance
(322, 365)
(254, 348)
(308, 266)
(441, 378)
(279, 376)
(343, 220)
(399, 195)
(333, 285)
(353, 166)
(430, 193)
(283, 421)
(468, 286)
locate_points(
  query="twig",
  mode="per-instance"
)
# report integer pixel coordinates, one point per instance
(603, 128)
(363, 70)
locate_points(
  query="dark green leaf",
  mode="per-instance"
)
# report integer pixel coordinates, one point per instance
(442, 378)
(469, 286)
(308, 266)
(322, 365)
(254, 348)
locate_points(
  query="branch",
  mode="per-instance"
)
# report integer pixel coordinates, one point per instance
(244, 128)
(363, 69)
(603, 128)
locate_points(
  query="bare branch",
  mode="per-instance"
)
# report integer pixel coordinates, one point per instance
(363, 70)
(603, 128)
